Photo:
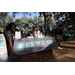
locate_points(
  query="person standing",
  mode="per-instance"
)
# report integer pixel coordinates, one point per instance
(35, 32)
(41, 32)
(50, 28)
(41, 29)
(58, 31)
(23, 35)
(9, 34)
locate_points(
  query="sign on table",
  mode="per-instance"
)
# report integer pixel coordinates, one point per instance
(17, 35)
(27, 46)
(3, 49)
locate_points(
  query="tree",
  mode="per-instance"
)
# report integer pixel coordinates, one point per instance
(25, 21)
(72, 14)
(10, 18)
(3, 16)
(66, 19)
(18, 23)
(41, 22)
(38, 21)
(35, 21)
(53, 23)
(47, 19)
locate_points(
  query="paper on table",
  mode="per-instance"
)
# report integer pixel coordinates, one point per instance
(17, 35)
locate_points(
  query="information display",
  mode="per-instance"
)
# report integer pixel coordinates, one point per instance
(26, 46)
(3, 49)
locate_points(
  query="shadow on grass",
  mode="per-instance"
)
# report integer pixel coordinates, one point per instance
(68, 47)
(69, 43)
(63, 59)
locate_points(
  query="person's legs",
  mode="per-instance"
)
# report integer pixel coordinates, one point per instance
(8, 50)
(58, 42)
(57, 39)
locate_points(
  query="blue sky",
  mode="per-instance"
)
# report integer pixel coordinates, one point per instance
(19, 15)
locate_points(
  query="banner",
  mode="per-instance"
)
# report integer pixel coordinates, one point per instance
(31, 45)
(3, 49)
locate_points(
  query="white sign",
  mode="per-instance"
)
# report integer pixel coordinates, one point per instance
(30, 37)
(3, 49)
(26, 30)
(17, 35)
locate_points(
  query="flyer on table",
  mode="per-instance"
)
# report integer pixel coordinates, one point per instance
(3, 49)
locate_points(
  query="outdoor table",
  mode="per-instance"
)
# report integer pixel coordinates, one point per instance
(32, 45)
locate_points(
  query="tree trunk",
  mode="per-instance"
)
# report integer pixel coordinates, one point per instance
(72, 14)
(47, 19)
(3, 25)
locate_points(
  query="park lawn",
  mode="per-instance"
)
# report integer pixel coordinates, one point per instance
(47, 54)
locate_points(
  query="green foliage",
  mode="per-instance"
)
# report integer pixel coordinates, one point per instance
(61, 19)
(18, 23)
(66, 19)
(22, 23)
(53, 23)
(38, 21)
(26, 22)
(3, 16)
(10, 18)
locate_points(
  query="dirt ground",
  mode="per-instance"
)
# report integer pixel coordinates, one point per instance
(47, 54)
